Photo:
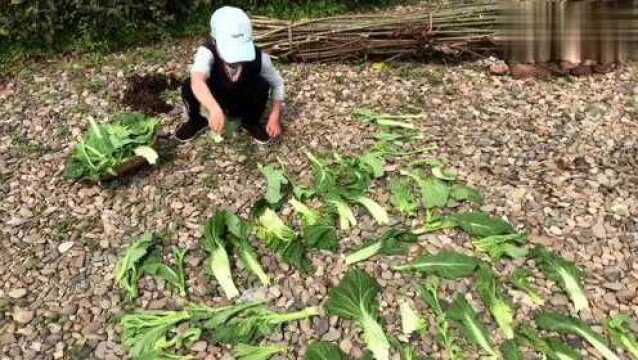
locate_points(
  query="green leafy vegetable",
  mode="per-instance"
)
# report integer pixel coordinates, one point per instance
(320, 350)
(492, 294)
(497, 246)
(429, 294)
(238, 235)
(318, 231)
(355, 298)
(254, 323)
(147, 332)
(153, 265)
(409, 353)
(521, 280)
(128, 269)
(283, 240)
(481, 225)
(434, 192)
(403, 197)
(107, 147)
(218, 263)
(460, 192)
(464, 314)
(622, 328)
(148, 153)
(395, 241)
(511, 351)
(568, 276)
(374, 162)
(385, 120)
(563, 324)
(443, 173)
(276, 181)
(377, 211)
(250, 352)
(550, 348)
(410, 320)
(346, 216)
(446, 264)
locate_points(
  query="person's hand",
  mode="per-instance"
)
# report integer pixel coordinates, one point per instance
(273, 127)
(217, 120)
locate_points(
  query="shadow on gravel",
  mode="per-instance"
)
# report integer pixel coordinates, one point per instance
(144, 93)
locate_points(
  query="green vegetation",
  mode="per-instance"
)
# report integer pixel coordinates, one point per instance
(320, 350)
(623, 333)
(446, 264)
(107, 147)
(464, 314)
(564, 324)
(565, 273)
(395, 241)
(143, 257)
(430, 294)
(493, 296)
(355, 298)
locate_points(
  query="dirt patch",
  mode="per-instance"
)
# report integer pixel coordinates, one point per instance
(144, 93)
(548, 70)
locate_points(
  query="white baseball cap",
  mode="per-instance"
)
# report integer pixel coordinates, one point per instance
(233, 34)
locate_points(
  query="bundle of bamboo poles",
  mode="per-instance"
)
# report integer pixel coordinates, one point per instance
(449, 28)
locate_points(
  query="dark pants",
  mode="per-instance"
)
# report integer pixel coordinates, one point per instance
(249, 111)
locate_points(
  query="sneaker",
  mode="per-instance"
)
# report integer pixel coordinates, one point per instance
(189, 130)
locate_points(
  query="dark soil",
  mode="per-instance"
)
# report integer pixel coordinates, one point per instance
(144, 93)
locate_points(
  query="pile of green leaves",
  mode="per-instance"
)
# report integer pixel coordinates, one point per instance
(144, 257)
(623, 331)
(157, 334)
(223, 233)
(107, 147)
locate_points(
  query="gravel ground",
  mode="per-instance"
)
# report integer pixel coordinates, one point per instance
(557, 158)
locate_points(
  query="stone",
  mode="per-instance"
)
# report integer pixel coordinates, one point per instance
(22, 316)
(17, 293)
(65, 246)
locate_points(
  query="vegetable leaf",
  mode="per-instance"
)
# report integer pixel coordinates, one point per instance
(377, 211)
(444, 173)
(521, 280)
(218, 263)
(320, 350)
(493, 296)
(395, 241)
(434, 192)
(429, 294)
(552, 349)
(321, 236)
(355, 298)
(250, 352)
(497, 246)
(408, 353)
(127, 271)
(254, 323)
(276, 180)
(446, 264)
(568, 276)
(153, 265)
(403, 197)
(346, 216)
(410, 320)
(464, 314)
(511, 351)
(238, 236)
(148, 153)
(460, 192)
(620, 329)
(480, 224)
(280, 238)
(563, 324)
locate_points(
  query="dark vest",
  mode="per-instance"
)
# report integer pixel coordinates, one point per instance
(235, 96)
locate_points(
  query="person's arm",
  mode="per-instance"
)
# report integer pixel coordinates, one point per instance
(272, 76)
(200, 72)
